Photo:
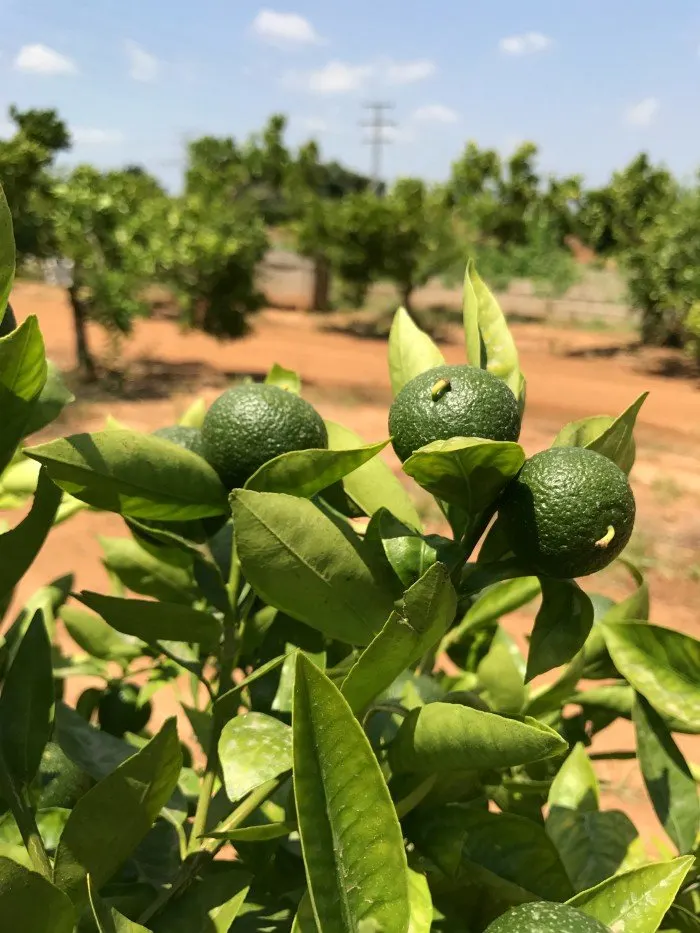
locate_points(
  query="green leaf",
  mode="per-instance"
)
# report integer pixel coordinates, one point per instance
(165, 573)
(409, 553)
(299, 561)
(467, 471)
(110, 820)
(22, 376)
(489, 342)
(575, 787)
(593, 844)
(263, 833)
(364, 878)
(193, 417)
(661, 664)
(53, 398)
(491, 604)
(253, 749)
(30, 903)
(19, 547)
(27, 704)
(611, 437)
(426, 611)
(134, 474)
(7, 262)
(97, 638)
(421, 903)
(551, 697)
(284, 379)
(226, 706)
(473, 845)
(151, 621)
(501, 673)
(108, 919)
(306, 472)
(562, 626)
(284, 697)
(446, 736)
(411, 351)
(636, 901)
(373, 486)
(668, 780)
(210, 905)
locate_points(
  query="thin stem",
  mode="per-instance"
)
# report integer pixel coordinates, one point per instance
(210, 847)
(206, 792)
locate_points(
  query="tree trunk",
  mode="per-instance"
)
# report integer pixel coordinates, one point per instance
(406, 295)
(86, 362)
(322, 284)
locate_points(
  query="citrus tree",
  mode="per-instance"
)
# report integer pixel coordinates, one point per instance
(372, 750)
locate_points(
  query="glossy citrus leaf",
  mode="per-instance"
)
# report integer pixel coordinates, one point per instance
(52, 399)
(489, 342)
(661, 664)
(425, 612)
(108, 919)
(23, 373)
(668, 780)
(562, 625)
(501, 674)
(193, 417)
(341, 795)
(307, 472)
(447, 736)
(576, 786)
(411, 351)
(299, 561)
(253, 749)
(165, 573)
(284, 378)
(373, 486)
(110, 820)
(135, 474)
(637, 900)
(31, 904)
(593, 844)
(7, 258)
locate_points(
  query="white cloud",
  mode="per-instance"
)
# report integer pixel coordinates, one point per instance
(642, 113)
(142, 65)
(92, 136)
(40, 59)
(409, 72)
(284, 29)
(337, 78)
(529, 43)
(435, 113)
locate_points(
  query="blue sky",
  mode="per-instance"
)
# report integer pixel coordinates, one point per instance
(592, 83)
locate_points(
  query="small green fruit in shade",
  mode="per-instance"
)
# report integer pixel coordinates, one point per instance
(452, 401)
(569, 512)
(119, 710)
(543, 917)
(251, 424)
(183, 436)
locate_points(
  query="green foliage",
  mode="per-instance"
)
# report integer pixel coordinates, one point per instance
(362, 786)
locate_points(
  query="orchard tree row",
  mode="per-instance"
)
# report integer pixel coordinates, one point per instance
(120, 230)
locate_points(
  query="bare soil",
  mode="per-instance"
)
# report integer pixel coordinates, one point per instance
(571, 374)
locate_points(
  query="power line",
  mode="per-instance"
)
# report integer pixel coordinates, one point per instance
(378, 137)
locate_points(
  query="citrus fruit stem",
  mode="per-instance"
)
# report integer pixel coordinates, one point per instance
(439, 389)
(607, 537)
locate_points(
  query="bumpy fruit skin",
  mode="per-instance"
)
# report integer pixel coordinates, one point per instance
(183, 436)
(543, 917)
(557, 512)
(250, 424)
(119, 712)
(474, 404)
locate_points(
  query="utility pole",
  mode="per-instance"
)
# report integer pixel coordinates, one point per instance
(377, 137)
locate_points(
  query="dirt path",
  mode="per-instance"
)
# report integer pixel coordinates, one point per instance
(570, 374)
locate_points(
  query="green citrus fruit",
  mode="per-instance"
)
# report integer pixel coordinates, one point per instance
(452, 401)
(119, 710)
(183, 436)
(250, 424)
(542, 917)
(61, 782)
(569, 512)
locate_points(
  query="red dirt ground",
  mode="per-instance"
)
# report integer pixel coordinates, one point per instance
(570, 373)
